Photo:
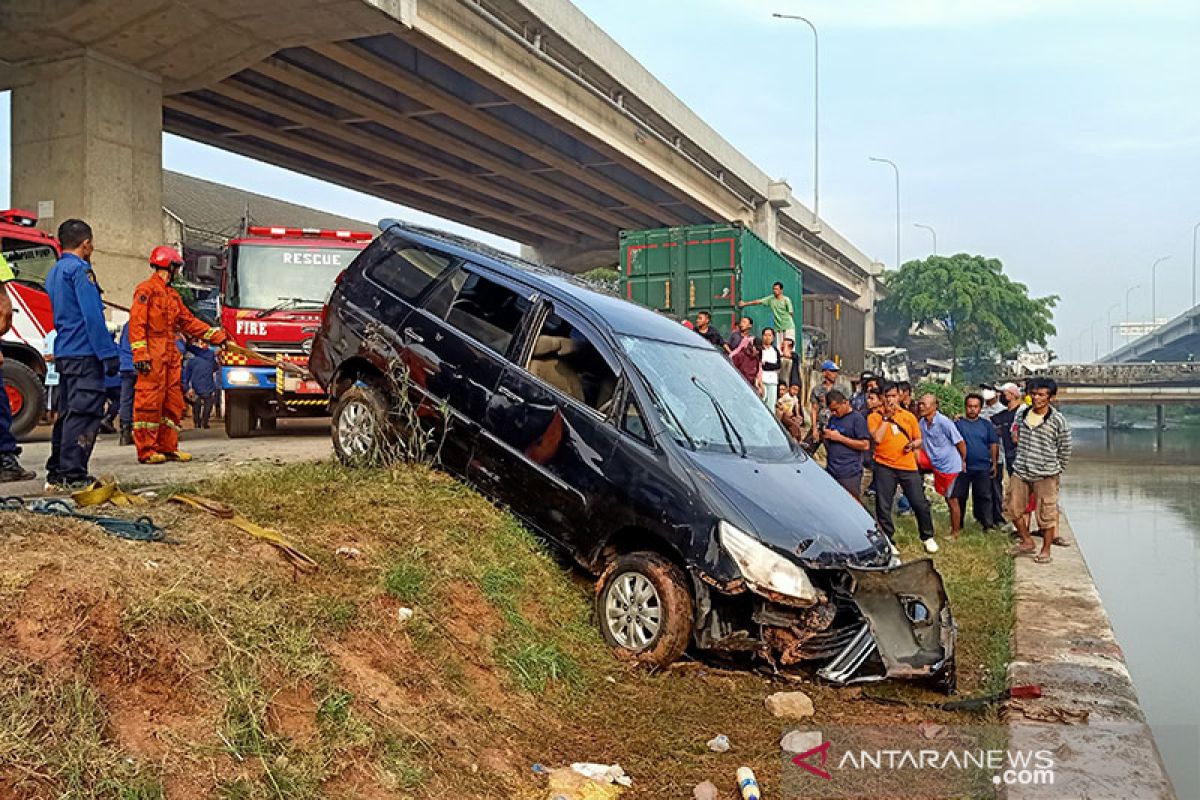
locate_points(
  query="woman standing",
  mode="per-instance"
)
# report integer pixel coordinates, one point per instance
(771, 361)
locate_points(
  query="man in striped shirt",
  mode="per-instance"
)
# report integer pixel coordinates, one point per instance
(1043, 440)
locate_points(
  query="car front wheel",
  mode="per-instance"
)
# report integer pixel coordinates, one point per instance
(644, 608)
(361, 431)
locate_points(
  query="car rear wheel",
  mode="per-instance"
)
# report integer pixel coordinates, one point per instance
(26, 396)
(361, 431)
(644, 608)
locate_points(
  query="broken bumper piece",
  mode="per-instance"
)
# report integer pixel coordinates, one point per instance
(908, 632)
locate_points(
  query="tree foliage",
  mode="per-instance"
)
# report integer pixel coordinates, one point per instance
(971, 301)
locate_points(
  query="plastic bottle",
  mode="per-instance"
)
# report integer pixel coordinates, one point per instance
(748, 784)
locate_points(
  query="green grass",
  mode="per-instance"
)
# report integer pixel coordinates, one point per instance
(407, 579)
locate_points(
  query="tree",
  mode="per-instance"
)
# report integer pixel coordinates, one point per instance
(971, 301)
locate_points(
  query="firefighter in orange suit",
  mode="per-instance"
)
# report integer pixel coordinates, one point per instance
(155, 318)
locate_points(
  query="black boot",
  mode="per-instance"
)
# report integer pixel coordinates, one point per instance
(11, 469)
(126, 435)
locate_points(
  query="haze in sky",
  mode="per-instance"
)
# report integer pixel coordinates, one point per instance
(1061, 136)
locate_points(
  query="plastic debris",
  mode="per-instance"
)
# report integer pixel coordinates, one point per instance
(604, 773)
(719, 743)
(404, 614)
(748, 784)
(346, 551)
(586, 781)
(705, 791)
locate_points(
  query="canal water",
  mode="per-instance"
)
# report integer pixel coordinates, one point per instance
(1135, 509)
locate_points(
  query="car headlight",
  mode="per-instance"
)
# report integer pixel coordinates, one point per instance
(242, 376)
(763, 568)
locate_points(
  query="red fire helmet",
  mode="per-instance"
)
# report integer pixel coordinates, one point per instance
(164, 257)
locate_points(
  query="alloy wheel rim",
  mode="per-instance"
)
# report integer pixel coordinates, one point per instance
(633, 611)
(356, 429)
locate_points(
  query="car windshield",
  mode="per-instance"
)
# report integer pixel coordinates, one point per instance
(267, 275)
(703, 400)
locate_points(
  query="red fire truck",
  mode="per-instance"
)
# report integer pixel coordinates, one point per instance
(274, 285)
(30, 253)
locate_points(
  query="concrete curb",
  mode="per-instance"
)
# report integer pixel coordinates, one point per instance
(1088, 716)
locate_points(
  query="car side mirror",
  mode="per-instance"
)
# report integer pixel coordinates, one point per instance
(208, 269)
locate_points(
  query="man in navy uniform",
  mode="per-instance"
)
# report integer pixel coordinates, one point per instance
(84, 353)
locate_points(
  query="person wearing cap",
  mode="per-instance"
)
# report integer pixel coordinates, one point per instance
(992, 404)
(818, 409)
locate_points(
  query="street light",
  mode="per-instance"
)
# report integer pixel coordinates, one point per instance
(1117, 306)
(816, 113)
(1128, 292)
(897, 171)
(1095, 344)
(1154, 292)
(932, 233)
(1195, 231)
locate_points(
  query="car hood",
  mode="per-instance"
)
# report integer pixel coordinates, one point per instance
(793, 506)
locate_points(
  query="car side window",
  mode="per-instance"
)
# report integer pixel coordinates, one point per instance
(487, 311)
(439, 300)
(633, 423)
(563, 357)
(409, 271)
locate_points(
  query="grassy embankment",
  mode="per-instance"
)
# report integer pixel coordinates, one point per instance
(212, 669)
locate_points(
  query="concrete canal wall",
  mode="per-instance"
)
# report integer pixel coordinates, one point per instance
(1088, 715)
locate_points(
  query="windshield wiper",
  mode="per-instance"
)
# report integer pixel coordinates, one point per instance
(285, 302)
(666, 410)
(726, 423)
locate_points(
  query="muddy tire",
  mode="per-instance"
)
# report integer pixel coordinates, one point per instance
(26, 396)
(239, 415)
(362, 435)
(644, 608)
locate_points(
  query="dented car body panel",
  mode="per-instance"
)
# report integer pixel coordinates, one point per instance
(672, 452)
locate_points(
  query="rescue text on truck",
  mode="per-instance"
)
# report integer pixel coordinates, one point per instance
(274, 287)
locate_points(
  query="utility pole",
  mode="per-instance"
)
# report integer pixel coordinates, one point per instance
(932, 233)
(897, 171)
(1154, 292)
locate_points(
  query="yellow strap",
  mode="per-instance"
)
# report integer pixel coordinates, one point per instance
(107, 491)
(218, 509)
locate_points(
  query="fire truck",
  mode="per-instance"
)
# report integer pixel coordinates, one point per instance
(274, 284)
(30, 253)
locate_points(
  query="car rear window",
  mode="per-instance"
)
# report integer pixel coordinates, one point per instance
(487, 312)
(409, 271)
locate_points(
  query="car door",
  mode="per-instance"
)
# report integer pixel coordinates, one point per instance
(456, 344)
(550, 427)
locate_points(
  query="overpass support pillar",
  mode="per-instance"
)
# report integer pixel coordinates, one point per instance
(766, 215)
(87, 143)
(1108, 417)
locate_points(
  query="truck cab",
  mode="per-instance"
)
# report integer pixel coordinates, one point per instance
(274, 284)
(30, 254)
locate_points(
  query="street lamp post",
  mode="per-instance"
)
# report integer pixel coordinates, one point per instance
(816, 113)
(932, 233)
(1128, 292)
(1154, 291)
(1117, 306)
(897, 171)
(1195, 232)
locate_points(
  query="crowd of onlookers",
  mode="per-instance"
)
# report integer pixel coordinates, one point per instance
(1004, 453)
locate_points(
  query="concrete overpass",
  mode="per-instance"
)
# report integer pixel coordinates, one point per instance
(519, 117)
(1176, 340)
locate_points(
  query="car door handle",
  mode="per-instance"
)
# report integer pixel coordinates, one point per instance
(510, 394)
(413, 336)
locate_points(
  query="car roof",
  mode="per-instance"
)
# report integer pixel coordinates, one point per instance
(620, 316)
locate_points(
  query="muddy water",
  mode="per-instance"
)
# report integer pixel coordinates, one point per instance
(1136, 511)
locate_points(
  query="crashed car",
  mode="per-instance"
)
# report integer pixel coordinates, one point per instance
(629, 442)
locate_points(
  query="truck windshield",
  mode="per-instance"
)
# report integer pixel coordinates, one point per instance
(262, 275)
(704, 401)
(30, 261)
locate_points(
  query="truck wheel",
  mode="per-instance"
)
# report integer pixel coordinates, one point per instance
(645, 608)
(362, 435)
(26, 396)
(239, 416)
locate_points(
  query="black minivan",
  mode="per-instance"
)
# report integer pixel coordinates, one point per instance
(628, 441)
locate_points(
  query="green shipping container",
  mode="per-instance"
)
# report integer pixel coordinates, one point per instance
(706, 268)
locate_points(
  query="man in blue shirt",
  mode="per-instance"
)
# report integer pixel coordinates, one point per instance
(947, 453)
(84, 353)
(846, 439)
(199, 383)
(983, 462)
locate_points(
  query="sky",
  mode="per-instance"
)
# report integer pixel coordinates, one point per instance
(1060, 136)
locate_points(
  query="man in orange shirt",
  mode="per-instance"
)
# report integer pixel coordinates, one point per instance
(897, 437)
(156, 317)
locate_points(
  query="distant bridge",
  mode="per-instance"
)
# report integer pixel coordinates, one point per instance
(1176, 340)
(1126, 383)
